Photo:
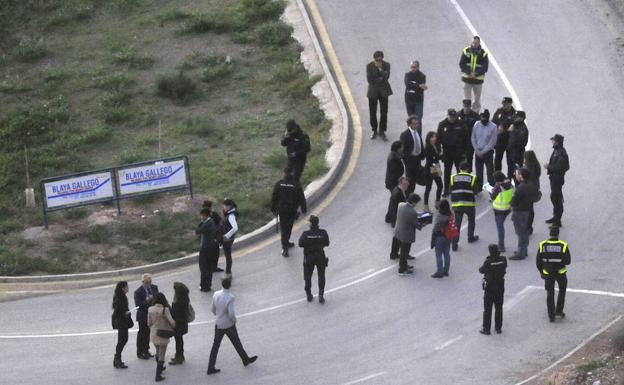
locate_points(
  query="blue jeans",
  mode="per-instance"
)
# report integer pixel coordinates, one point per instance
(499, 218)
(414, 108)
(520, 220)
(443, 248)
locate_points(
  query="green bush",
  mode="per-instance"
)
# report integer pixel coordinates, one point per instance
(286, 71)
(115, 107)
(98, 234)
(202, 127)
(117, 81)
(202, 23)
(315, 167)
(74, 10)
(15, 262)
(96, 135)
(177, 87)
(262, 10)
(76, 213)
(128, 55)
(276, 159)
(171, 14)
(274, 33)
(29, 50)
(132, 156)
(216, 72)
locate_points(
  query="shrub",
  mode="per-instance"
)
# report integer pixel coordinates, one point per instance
(202, 23)
(98, 234)
(202, 127)
(274, 33)
(262, 10)
(75, 10)
(96, 135)
(29, 50)
(276, 159)
(216, 72)
(171, 14)
(177, 87)
(76, 213)
(129, 56)
(115, 107)
(15, 262)
(113, 82)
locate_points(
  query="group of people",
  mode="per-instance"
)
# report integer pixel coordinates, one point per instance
(464, 139)
(160, 321)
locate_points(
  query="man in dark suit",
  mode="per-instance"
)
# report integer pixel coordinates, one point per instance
(143, 299)
(395, 167)
(377, 75)
(207, 231)
(412, 150)
(399, 195)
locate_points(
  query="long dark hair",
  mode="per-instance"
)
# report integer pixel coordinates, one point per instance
(532, 163)
(160, 298)
(428, 138)
(181, 294)
(444, 208)
(119, 298)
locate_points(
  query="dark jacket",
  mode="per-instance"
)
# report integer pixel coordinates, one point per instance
(523, 197)
(552, 256)
(121, 318)
(180, 313)
(395, 168)
(227, 226)
(518, 139)
(558, 164)
(407, 140)
(468, 120)
(313, 241)
(503, 119)
(465, 64)
(432, 156)
(452, 136)
(397, 196)
(140, 300)
(413, 80)
(493, 270)
(378, 86)
(208, 233)
(288, 196)
(297, 144)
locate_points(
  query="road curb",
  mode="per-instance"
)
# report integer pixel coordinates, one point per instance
(314, 192)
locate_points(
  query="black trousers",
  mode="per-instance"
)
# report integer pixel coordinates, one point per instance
(308, 270)
(404, 249)
(531, 218)
(493, 297)
(489, 167)
(498, 158)
(549, 285)
(287, 219)
(227, 251)
(143, 336)
(179, 341)
(448, 170)
(232, 334)
(216, 252)
(438, 182)
(470, 212)
(206, 266)
(297, 165)
(383, 114)
(470, 157)
(556, 197)
(394, 249)
(122, 339)
(413, 169)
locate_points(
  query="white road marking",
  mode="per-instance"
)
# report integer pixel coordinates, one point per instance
(449, 342)
(492, 60)
(517, 298)
(579, 346)
(355, 275)
(369, 377)
(583, 291)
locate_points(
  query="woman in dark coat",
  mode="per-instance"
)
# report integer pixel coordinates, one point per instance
(121, 320)
(433, 170)
(533, 165)
(182, 313)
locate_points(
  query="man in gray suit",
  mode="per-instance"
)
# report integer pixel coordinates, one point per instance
(377, 75)
(407, 223)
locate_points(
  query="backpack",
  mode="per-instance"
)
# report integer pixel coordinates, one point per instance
(451, 232)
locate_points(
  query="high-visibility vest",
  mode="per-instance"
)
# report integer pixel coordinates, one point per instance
(502, 202)
(552, 253)
(462, 190)
(473, 62)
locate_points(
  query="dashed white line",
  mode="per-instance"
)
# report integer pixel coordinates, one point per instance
(449, 342)
(369, 377)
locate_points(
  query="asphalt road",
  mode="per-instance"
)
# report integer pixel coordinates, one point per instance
(377, 327)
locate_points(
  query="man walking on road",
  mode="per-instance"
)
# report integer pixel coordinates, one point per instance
(377, 75)
(287, 197)
(405, 231)
(483, 140)
(558, 165)
(225, 324)
(473, 64)
(553, 255)
(208, 232)
(313, 242)
(415, 87)
(297, 145)
(523, 197)
(493, 270)
(143, 297)
(463, 188)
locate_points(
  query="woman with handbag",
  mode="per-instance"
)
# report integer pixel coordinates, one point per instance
(161, 326)
(441, 237)
(182, 313)
(121, 320)
(433, 170)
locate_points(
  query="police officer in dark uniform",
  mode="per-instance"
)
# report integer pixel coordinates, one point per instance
(557, 166)
(518, 139)
(287, 198)
(468, 117)
(553, 255)
(218, 223)
(207, 231)
(463, 188)
(452, 136)
(313, 241)
(503, 118)
(297, 145)
(493, 271)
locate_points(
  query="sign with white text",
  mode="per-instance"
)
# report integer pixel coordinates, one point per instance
(155, 176)
(79, 190)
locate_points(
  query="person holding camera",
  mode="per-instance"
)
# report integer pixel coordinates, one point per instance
(313, 242)
(143, 297)
(162, 327)
(297, 145)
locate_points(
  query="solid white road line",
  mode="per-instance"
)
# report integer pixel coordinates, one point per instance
(449, 342)
(579, 346)
(583, 291)
(370, 377)
(517, 298)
